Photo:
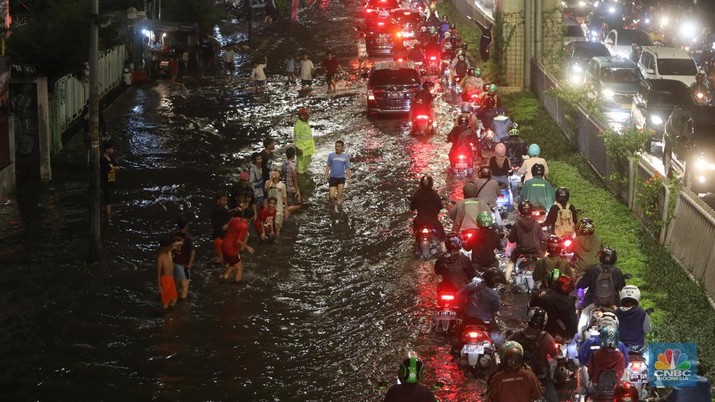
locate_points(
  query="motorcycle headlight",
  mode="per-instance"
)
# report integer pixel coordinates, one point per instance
(608, 93)
(576, 68)
(656, 120)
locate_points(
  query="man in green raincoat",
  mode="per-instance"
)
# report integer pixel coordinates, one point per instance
(538, 190)
(303, 139)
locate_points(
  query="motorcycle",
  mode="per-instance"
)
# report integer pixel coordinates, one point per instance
(702, 97)
(565, 360)
(523, 277)
(433, 65)
(444, 318)
(505, 201)
(428, 243)
(455, 84)
(515, 184)
(462, 162)
(478, 350)
(422, 124)
(486, 139)
(468, 237)
(638, 371)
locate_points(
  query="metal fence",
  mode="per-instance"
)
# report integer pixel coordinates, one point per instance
(70, 94)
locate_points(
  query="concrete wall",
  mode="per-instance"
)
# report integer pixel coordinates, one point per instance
(7, 174)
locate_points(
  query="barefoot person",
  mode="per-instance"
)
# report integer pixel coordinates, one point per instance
(165, 273)
(235, 240)
(336, 172)
(184, 257)
(303, 139)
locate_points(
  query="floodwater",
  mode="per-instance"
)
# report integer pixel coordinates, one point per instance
(325, 313)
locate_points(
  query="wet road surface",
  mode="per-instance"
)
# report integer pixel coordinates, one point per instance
(326, 313)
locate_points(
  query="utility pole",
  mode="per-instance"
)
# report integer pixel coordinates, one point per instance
(95, 244)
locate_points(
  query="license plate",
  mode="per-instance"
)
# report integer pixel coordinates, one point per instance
(461, 165)
(381, 40)
(394, 95)
(639, 378)
(478, 349)
(445, 314)
(383, 13)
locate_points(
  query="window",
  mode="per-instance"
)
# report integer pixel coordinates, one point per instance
(677, 67)
(403, 76)
(628, 37)
(619, 75)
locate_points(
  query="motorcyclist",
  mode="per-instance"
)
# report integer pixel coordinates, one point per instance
(539, 346)
(481, 302)
(483, 243)
(432, 49)
(422, 101)
(606, 359)
(461, 138)
(636, 52)
(409, 388)
(466, 111)
(415, 54)
(471, 84)
(603, 318)
(700, 392)
(514, 381)
(700, 86)
(489, 189)
(490, 105)
(454, 267)
(559, 222)
(444, 27)
(537, 189)
(427, 202)
(424, 35)
(586, 245)
(527, 235)
(516, 148)
(501, 124)
(464, 213)
(500, 165)
(559, 305)
(459, 67)
(554, 261)
(533, 151)
(634, 322)
(625, 392)
(602, 292)
(446, 39)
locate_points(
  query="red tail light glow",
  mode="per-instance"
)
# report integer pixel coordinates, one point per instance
(469, 235)
(425, 231)
(447, 297)
(433, 58)
(473, 335)
(380, 23)
(461, 156)
(567, 243)
(407, 13)
(400, 59)
(422, 117)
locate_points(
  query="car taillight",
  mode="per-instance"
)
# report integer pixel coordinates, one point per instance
(370, 95)
(473, 335)
(447, 297)
(422, 117)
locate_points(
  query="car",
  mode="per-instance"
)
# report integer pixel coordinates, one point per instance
(689, 147)
(391, 86)
(619, 41)
(380, 8)
(573, 32)
(602, 19)
(576, 58)
(654, 102)
(380, 36)
(612, 81)
(577, 8)
(408, 21)
(667, 63)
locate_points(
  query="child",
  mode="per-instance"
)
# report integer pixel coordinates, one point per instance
(264, 224)
(165, 273)
(255, 178)
(276, 189)
(235, 240)
(337, 171)
(184, 256)
(258, 75)
(290, 70)
(633, 321)
(290, 178)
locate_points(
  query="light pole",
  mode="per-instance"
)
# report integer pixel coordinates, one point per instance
(95, 244)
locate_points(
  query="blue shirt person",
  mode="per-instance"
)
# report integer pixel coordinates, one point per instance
(337, 171)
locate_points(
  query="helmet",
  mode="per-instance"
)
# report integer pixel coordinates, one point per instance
(500, 149)
(411, 368)
(466, 108)
(537, 317)
(514, 132)
(448, 45)
(477, 72)
(607, 255)
(493, 277)
(447, 35)
(534, 150)
(563, 284)
(492, 88)
(525, 208)
(463, 120)
(562, 195)
(485, 220)
(699, 77)
(512, 354)
(631, 292)
(303, 111)
(453, 26)
(625, 392)
(585, 226)
(607, 319)
(538, 170)
(608, 337)
(485, 172)
(470, 190)
(426, 182)
(454, 242)
(553, 245)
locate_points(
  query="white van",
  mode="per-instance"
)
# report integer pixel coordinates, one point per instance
(667, 63)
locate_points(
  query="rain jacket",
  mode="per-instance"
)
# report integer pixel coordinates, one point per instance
(585, 249)
(527, 234)
(539, 191)
(464, 214)
(480, 301)
(561, 310)
(501, 125)
(303, 137)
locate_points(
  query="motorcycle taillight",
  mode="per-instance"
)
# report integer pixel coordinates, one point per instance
(433, 58)
(423, 117)
(446, 297)
(425, 231)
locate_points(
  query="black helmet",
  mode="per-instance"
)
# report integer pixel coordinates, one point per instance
(538, 170)
(562, 195)
(585, 226)
(512, 355)
(493, 277)
(411, 369)
(426, 182)
(537, 317)
(553, 245)
(525, 208)
(608, 256)
(454, 243)
(485, 172)
(463, 120)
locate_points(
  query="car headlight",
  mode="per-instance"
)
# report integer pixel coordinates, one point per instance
(688, 30)
(608, 93)
(656, 120)
(702, 164)
(582, 3)
(611, 10)
(576, 68)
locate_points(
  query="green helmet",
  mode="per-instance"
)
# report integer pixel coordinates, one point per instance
(512, 355)
(477, 72)
(492, 88)
(485, 220)
(514, 132)
(551, 277)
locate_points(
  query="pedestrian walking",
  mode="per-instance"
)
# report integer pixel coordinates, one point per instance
(255, 178)
(258, 76)
(219, 221)
(241, 194)
(108, 168)
(184, 257)
(337, 171)
(275, 188)
(290, 69)
(331, 66)
(165, 273)
(307, 70)
(303, 140)
(269, 144)
(229, 56)
(290, 179)
(235, 240)
(362, 51)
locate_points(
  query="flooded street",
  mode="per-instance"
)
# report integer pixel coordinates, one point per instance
(325, 313)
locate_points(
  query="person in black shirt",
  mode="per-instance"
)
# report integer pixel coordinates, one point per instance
(485, 241)
(108, 170)
(427, 202)
(240, 193)
(269, 145)
(219, 219)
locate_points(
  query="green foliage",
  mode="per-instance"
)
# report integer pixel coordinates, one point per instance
(573, 97)
(621, 146)
(503, 32)
(648, 201)
(553, 40)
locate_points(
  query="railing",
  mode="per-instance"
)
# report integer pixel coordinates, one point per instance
(70, 94)
(691, 230)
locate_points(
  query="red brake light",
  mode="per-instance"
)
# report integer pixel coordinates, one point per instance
(407, 13)
(474, 96)
(380, 23)
(461, 156)
(423, 117)
(425, 231)
(473, 335)
(400, 59)
(433, 58)
(469, 235)
(567, 243)
(447, 297)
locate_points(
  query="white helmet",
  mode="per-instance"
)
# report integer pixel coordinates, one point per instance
(607, 319)
(448, 46)
(447, 34)
(631, 292)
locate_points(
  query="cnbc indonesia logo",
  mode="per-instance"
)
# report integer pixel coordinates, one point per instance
(673, 365)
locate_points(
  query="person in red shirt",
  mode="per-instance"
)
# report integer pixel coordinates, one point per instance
(235, 240)
(265, 220)
(331, 68)
(606, 359)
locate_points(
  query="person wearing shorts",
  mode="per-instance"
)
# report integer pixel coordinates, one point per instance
(290, 179)
(331, 69)
(235, 240)
(258, 75)
(337, 172)
(276, 189)
(307, 69)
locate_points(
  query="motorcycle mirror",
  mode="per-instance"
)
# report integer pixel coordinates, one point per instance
(627, 276)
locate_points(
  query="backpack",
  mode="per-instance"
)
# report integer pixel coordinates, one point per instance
(605, 287)
(564, 221)
(532, 346)
(460, 68)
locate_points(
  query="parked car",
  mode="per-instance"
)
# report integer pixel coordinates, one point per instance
(654, 102)
(689, 147)
(391, 86)
(380, 35)
(619, 41)
(667, 63)
(576, 58)
(612, 81)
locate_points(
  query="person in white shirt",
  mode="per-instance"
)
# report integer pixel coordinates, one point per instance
(307, 69)
(258, 75)
(228, 62)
